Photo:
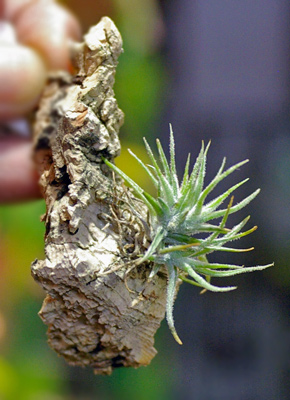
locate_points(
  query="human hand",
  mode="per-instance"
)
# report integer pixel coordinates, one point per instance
(34, 39)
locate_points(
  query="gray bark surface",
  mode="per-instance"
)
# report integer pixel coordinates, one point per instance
(97, 315)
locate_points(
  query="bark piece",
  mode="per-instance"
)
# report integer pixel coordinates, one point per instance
(95, 227)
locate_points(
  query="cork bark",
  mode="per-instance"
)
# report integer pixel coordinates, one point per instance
(100, 311)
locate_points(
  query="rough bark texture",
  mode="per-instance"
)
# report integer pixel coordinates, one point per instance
(96, 315)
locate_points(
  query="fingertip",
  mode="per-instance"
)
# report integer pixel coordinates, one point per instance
(48, 28)
(22, 77)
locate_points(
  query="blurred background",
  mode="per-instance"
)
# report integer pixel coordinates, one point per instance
(216, 70)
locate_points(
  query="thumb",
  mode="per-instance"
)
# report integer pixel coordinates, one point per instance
(19, 182)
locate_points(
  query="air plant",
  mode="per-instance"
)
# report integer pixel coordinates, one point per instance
(179, 214)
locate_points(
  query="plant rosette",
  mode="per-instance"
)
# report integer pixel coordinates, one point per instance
(179, 215)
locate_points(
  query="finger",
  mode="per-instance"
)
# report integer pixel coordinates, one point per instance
(18, 177)
(22, 77)
(47, 27)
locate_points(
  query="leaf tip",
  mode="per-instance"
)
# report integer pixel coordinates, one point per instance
(176, 337)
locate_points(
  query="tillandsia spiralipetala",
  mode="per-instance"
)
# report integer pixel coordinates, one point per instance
(179, 214)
